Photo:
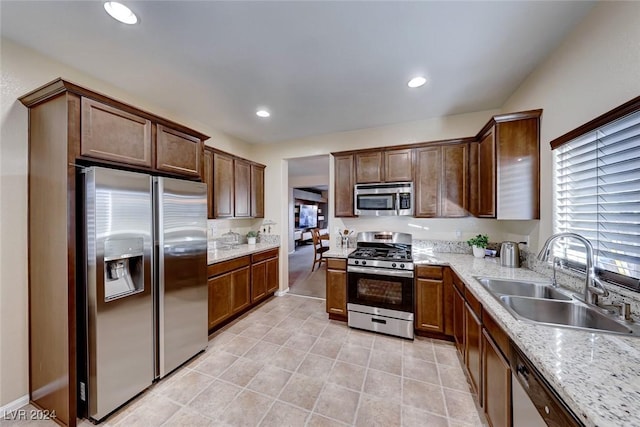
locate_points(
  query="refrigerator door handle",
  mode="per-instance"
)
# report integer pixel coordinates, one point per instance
(158, 249)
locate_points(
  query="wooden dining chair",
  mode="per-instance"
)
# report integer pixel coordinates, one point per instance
(318, 249)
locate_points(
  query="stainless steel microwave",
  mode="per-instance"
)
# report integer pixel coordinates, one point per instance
(387, 199)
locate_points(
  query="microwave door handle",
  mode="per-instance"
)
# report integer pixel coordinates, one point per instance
(398, 204)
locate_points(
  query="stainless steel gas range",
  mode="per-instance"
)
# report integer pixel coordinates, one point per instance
(380, 283)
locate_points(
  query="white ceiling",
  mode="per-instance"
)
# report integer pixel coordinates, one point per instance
(318, 66)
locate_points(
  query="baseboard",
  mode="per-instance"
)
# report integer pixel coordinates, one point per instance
(13, 406)
(281, 293)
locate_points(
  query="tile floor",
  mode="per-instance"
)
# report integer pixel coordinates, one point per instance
(286, 364)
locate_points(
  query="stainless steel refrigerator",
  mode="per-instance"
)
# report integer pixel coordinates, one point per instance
(144, 299)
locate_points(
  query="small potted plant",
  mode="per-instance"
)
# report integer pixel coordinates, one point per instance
(479, 243)
(251, 237)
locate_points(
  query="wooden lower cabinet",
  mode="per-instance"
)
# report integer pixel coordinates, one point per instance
(473, 347)
(496, 385)
(264, 274)
(337, 288)
(228, 294)
(273, 282)
(458, 321)
(429, 297)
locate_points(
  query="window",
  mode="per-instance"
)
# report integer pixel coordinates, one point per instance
(597, 186)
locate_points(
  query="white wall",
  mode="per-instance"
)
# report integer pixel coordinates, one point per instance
(22, 71)
(595, 69)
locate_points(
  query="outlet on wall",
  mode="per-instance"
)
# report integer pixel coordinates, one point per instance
(458, 234)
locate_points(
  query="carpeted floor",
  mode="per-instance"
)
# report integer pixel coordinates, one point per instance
(301, 280)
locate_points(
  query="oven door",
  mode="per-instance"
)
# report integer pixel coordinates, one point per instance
(380, 287)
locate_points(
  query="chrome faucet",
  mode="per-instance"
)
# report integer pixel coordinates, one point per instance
(593, 287)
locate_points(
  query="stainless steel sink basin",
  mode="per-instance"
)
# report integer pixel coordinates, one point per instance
(563, 313)
(522, 288)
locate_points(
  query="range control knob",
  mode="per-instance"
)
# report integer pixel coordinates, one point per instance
(401, 265)
(393, 265)
(364, 262)
(356, 262)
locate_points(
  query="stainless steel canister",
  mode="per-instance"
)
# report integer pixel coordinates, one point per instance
(510, 254)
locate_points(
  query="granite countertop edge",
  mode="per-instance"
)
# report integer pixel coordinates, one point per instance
(219, 255)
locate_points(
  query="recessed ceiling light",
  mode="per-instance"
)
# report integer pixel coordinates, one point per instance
(263, 113)
(417, 81)
(120, 12)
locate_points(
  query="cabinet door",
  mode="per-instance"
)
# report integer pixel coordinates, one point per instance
(473, 356)
(429, 301)
(337, 292)
(207, 178)
(219, 299)
(240, 290)
(369, 167)
(178, 152)
(428, 175)
(273, 275)
(222, 185)
(257, 191)
(496, 385)
(343, 185)
(398, 165)
(474, 178)
(114, 135)
(487, 176)
(518, 182)
(258, 281)
(448, 302)
(454, 181)
(242, 185)
(458, 321)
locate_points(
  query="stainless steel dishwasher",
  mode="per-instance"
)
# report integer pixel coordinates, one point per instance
(534, 402)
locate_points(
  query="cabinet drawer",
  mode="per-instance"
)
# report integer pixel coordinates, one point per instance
(336, 264)
(473, 303)
(178, 152)
(226, 266)
(495, 331)
(260, 256)
(429, 272)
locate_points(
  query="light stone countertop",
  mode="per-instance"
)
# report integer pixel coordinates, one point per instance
(597, 375)
(338, 252)
(217, 255)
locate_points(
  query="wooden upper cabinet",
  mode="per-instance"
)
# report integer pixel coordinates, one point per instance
(398, 165)
(487, 176)
(257, 191)
(207, 178)
(369, 167)
(223, 186)
(242, 188)
(473, 178)
(114, 135)
(178, 152)
(344, 180)
(454, 191)
(427, 182)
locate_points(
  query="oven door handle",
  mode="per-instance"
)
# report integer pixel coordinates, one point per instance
(380, 271)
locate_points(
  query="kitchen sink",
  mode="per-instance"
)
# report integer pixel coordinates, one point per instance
(564, 313)
(522, 288)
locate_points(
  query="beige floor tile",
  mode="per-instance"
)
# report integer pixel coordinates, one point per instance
(242, 371)
(413, 417)
(300, 341)
(216, 363)
(382, 384)
(256, 331)
(361, 338)
(347, 375)
(277, 336)
(335, 331)
(420, 370)
(270, 380)
(283, 415)
(153, 413)
(300, 314)
(385, 343)
(247, 409)
(377, 412)
(454, 377)
(338, 403)
(214, 399)
(313, 326)
(386, 361)
(262, 351)
(239, 345)
(354, 354)
(461, 406)
(423, 396)
(315, 366)
(424, 352)
(447, 355)
(302, 391)
(237, 327)
(189, 418)
(186, 387)
(219, 338)
(287, 358)
(327, 348)
(290, 324)
(319, 421)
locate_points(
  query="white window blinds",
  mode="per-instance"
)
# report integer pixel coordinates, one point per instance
(598, 195)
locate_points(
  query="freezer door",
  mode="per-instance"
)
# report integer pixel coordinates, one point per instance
(181, 234)
(119, 315)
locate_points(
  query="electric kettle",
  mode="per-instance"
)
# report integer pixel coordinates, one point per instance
(510, 254)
